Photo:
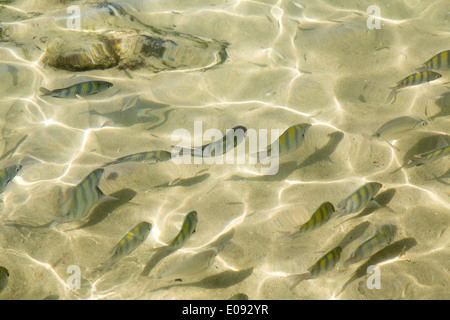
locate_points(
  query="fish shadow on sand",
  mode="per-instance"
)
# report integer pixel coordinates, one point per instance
(390, 252)
(222, 280)
(444, 104)
(160, 254)
(103, 210)
(324, 153)
(13, 149)
(287, 168)
(354, 234)
(186, 182)
(382, 200)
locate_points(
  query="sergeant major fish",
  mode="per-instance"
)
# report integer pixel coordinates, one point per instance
(358, 199)
(187, 229)
(291, 139)
(412, 80)
(229, 141)
(324, 264)
(319, 217)
(81, 89)
(382, 237)
(421, 159)
(155, 156)
(82, 198)
(441, 61)
(7, 174)
(130, 242)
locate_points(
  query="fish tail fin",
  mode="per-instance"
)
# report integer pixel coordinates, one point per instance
(392, 96)
(45, 92)
(297, 278)
(286, 236)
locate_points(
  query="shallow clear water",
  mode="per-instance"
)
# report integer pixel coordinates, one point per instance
(260, 64)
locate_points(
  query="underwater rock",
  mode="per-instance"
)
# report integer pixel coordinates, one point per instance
(95, 46)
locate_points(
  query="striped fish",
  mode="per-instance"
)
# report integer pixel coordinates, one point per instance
(441, 61)
(412, 80)
(155, 156)
(421, 159)
(81, 89)
(358, 199)
(229, 141)
(7, 174)
(187, 229)
(4, 276)
(323, 265)
(130, 242)
(82, 198)
(382, 237)
(291, 139)
(319, 217)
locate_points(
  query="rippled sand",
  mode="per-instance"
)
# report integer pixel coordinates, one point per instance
(288, 62)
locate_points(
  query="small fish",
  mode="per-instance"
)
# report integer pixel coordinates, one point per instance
(81, 89)
(130, 242)
(441, 61)
(291, 139)
(421, 159)
(7, 174)
(319, 217)
(187, 229)
(358, 199)
(412, 80)
(189, 267)
(382, 237)
(229, 141)
(324, 264)
(239, 296)
(82, 198)
(394, 128)
(4, 276)
(154, 156)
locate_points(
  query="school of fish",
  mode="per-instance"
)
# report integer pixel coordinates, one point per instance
(81, 199)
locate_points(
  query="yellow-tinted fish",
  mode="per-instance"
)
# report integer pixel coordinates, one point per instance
(358, 199)
(82, 198)
(426, 157)
(324, 264)
(7, 174)
(291, 139)
(132, 240)
(383, 236)
(81, 89)
(187, 229)
(441, 61)
(4, 276)
(239, 296)
(412, 80)
(319, 217)
(155, 156)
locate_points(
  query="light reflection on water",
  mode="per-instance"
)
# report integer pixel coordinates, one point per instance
(260, 64)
